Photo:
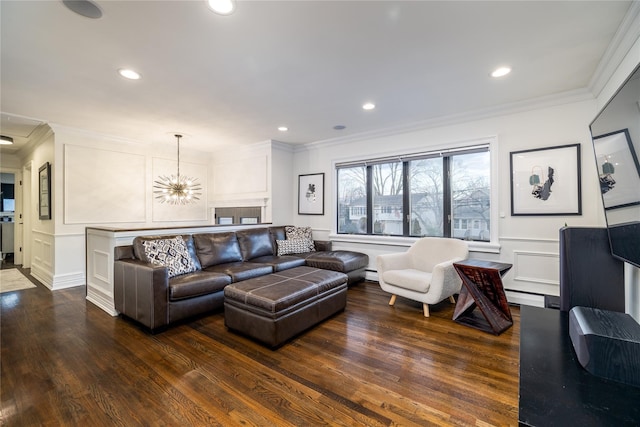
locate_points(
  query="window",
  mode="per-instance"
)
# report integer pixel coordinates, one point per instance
(430, 194)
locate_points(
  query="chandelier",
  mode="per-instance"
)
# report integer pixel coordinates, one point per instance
(177, 189)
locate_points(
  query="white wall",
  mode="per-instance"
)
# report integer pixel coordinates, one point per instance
(530, 243)
(100, 180)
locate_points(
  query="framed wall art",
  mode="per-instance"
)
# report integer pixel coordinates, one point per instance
(44, 191)
(618, 169)
(546, 181)
(311, 194)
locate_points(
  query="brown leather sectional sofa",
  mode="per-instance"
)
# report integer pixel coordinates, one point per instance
(145, 293)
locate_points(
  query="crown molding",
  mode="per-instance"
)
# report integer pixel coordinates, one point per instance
(627, 34)
(568, 97)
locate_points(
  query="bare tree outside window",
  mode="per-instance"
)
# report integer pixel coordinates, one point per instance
(449, 196)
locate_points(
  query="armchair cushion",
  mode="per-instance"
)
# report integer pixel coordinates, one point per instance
(410, 278)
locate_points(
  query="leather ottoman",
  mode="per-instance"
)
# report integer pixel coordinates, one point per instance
(353, 264)
(276, 307)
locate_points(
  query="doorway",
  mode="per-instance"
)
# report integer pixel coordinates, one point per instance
(11, 224)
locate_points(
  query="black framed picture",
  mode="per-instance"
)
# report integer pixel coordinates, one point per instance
(311, 194)
(44, 191)
(546, 181)
(618, 169)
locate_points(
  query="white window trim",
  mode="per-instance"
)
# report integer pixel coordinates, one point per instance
(474, 246)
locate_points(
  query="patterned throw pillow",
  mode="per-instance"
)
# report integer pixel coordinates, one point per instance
(303, 233)
(171, 253)
(292, 246)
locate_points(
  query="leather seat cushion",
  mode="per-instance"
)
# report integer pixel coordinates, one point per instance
(241, 270)
(415, 280)
(277, 292)
(343, 261)
(195, 284)
(279, 263)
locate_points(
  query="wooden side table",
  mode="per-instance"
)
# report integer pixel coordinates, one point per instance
(483, 289)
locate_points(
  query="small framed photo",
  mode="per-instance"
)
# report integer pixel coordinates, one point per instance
(44, 191)
(311, 194)
(618, 169)
(546, 181)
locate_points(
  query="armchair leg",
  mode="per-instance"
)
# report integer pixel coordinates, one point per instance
(452, 300)
(425, 308)
(392, 300)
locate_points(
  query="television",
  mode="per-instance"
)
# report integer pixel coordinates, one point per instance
(615, 135)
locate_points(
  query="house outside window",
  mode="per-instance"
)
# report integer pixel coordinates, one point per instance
(432, 194)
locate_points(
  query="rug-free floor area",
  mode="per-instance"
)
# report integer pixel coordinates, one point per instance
(12, 280)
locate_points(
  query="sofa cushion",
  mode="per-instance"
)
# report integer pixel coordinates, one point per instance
(171, 253)
(239, 271)
(280, 263)
(255, 242)
(139, 250)
(343, 261)
(292, 246)
(217, 248)
(303, 233)
(196, 284)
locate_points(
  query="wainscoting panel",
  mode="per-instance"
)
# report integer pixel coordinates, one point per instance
(102, 186)
(42, 258)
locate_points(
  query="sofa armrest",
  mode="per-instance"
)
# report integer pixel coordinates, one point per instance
(322, 245)
(141, 292)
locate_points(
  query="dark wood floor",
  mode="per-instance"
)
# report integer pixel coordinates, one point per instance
(66, 362)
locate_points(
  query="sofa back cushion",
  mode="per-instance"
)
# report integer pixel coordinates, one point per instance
(140, 252)
(278, 232)
(255, 242)
(217, 248)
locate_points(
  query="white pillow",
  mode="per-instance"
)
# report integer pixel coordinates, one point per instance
(171, 253)
(304, 233)
(293, 246)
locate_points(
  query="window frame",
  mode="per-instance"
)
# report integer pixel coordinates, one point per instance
(489, 144)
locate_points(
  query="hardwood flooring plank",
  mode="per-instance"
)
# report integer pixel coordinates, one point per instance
(66, 362)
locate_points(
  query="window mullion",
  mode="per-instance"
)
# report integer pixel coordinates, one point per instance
(406, 200)
(369, 199)
(446, 196)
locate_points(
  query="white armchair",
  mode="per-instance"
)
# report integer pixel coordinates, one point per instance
(425, 272)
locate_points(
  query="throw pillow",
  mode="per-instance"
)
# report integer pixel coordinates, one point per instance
(303, 233)
(292, 246)
(171, 253)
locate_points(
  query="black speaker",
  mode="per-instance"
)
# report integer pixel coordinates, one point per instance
(589, 275)
(607, 343)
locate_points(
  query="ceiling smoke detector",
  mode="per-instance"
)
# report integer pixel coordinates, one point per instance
(85, 8)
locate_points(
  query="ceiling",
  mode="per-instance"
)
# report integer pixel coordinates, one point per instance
(307, 65)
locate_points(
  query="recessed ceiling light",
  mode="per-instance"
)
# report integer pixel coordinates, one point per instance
(222, 7)
(6, 140)
(339, 127)
(283, 128)
(368, 106)
(500, 72)
(129, 74)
